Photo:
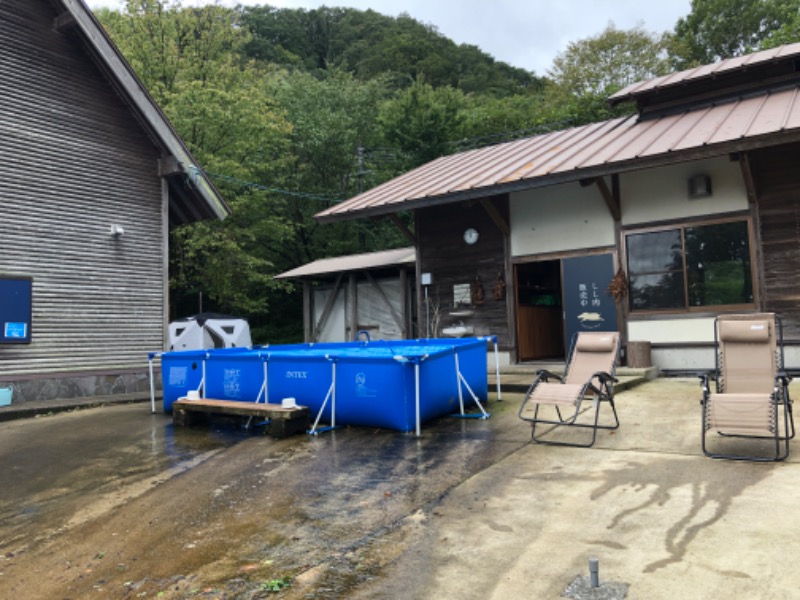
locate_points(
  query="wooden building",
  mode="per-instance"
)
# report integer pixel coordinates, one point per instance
(650, 224)
(92, 176)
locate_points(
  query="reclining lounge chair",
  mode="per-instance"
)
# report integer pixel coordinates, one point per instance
(751, 398)
(589, 376)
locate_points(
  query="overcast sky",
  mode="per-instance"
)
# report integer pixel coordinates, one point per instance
(524, 33)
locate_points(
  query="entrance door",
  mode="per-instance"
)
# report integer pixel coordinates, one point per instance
(539, 311)
(558, 298)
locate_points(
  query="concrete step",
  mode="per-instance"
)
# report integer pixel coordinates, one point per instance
(518, 378)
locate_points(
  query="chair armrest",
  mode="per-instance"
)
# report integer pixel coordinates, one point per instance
(545, 375)
(705, 378)
(605, 377)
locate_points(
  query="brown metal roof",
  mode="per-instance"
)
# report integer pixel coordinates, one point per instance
(705, 72)
(583, 152)
(354, 262)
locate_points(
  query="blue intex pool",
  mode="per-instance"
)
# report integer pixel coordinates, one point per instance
(391, 384)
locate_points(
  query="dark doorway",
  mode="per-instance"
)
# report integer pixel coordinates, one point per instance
(540, 320)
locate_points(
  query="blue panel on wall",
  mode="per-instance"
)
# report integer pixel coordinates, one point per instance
(587, 304)
(15, 309)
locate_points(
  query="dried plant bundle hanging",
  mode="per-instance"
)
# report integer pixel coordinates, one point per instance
(618, 288)
(477, 292)
(499, 290)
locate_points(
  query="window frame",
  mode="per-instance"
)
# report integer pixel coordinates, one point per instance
(681, 225)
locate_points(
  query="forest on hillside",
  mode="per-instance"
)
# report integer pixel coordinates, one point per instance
(291, 110)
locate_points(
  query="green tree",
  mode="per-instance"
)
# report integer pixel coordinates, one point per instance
(192, 61)
(605, 63)
(423, 121)
(717, 29)
(368, 44)
(590, 70)
(333, 116)
(788, 33)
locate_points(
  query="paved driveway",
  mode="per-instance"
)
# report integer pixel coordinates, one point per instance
(113, 503)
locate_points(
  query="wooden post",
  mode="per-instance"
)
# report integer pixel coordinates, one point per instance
(352, 306)
(404, 314)
(308, 312)
(638, 355)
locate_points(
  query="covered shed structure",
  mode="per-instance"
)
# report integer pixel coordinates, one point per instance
(370, 292)
(650, 224)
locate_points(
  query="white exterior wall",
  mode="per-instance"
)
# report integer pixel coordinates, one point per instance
(571, 217)
(662, 194)
(560, 218)
(373, 314)
(671, 331)
(676, 331)
(657, 195)
(335, 326)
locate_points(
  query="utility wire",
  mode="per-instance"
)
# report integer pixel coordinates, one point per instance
(381, 154)
(260, 186)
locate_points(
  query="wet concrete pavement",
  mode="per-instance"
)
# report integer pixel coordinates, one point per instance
(114, 503)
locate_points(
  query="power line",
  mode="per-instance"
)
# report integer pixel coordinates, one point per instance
(260, 186)
(380, 154)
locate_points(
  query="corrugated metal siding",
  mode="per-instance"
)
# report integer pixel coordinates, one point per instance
(73, 161)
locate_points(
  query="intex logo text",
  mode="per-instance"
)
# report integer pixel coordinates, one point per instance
(296, 374)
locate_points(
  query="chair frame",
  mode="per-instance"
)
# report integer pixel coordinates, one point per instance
(599, 387)
(779, 397)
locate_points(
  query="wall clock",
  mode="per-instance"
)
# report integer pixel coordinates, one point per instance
(471, 235)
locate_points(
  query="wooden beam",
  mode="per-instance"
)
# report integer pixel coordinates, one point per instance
(64, 22)
(403, 229)
(169, 165)
(326, 312)
(352, 305)
(381, 293)
(418, 287)
(308, 315)
(404, 303)
(611, 202)
(747, 174)
(495, 215)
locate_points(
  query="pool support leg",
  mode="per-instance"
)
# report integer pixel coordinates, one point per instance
(416, 388)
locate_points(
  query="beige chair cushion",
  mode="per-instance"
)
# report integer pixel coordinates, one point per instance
(744, 332)
(747, 354)
(741, 414)
(595, 342)
(594, 352)
(556, 394)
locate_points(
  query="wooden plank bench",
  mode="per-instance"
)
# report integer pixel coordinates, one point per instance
(283, 421)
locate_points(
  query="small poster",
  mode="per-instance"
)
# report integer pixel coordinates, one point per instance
(16, 330)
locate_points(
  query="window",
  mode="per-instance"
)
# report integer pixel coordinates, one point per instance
(690, 266)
